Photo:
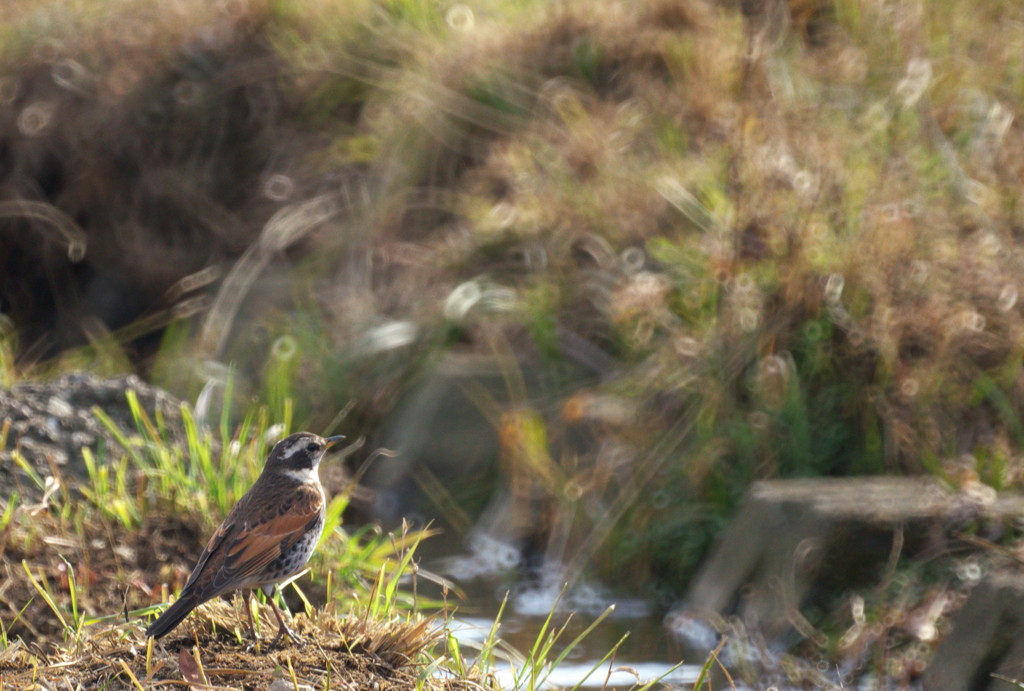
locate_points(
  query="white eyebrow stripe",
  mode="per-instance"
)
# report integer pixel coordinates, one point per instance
(296, 446)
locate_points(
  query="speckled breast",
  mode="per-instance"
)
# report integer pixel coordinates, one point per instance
(292, 560)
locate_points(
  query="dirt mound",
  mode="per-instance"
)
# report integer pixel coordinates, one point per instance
(352, 652)
(49, 425)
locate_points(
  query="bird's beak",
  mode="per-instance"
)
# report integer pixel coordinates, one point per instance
(331, 441)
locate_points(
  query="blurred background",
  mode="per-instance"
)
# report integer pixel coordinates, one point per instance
(572, 274)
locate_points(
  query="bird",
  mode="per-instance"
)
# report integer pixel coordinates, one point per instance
(267, 537)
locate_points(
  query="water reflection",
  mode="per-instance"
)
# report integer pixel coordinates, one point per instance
(489, 570)
(471, 633)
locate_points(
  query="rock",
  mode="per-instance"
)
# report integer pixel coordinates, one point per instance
(53, 422)
(985, 639)
(793, 543)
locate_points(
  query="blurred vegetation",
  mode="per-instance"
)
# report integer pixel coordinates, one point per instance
(782, 237)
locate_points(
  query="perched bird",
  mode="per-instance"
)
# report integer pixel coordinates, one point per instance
(267, 538)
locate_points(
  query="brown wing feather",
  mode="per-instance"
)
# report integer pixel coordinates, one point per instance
(255, 545)
(212, 547)
(266, 542)
(241, 548)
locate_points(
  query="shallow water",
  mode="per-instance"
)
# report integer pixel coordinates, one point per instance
(647, 652)
(634, 662)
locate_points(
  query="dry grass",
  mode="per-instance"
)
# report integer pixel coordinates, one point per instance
(335, 653)
(114, 570)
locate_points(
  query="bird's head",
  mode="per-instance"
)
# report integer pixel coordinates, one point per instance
(299, 454)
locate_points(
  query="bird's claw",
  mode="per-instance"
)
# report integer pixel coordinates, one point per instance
(285, 631)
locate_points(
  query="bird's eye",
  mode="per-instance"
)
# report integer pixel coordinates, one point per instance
(312, 447)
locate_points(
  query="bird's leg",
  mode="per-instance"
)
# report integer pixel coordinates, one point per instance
(283, 628)
(254, 643)
(248, 614)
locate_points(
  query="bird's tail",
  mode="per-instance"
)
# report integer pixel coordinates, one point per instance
(173, 615)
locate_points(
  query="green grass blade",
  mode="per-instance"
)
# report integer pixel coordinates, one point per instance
(45, 594)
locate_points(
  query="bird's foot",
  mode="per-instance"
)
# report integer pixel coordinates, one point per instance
(284, 630)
